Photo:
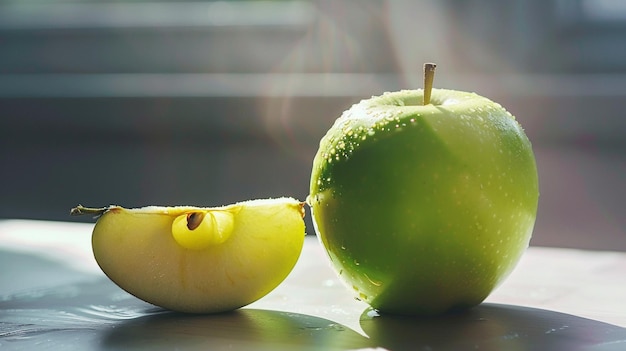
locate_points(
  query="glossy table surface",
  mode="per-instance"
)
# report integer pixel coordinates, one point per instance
(53, 296)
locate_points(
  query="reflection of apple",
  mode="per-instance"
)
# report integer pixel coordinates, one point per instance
(491, 327)
(424, 208)
(473, 329)
(199, 260)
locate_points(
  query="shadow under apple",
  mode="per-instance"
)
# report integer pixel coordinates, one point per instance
(248, 329)
(492, 327)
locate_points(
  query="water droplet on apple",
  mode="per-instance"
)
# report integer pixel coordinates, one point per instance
(374, 282)
(337, 327)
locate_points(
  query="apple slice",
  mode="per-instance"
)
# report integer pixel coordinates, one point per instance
(199, 260)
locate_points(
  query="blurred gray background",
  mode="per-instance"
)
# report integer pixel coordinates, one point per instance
(211, 102)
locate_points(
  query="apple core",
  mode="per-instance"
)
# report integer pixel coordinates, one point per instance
(199, 230)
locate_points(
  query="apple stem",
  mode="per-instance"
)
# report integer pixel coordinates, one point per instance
(82, 210)
(429, 76)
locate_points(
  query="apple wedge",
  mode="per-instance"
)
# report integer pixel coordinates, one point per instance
(199, 260)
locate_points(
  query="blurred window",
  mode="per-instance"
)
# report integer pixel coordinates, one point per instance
(603, 10)
(128, 14)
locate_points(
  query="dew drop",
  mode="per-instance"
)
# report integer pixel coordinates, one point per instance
(337, 327)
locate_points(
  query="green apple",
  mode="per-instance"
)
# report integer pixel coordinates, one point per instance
(199, 260)
(424, 208)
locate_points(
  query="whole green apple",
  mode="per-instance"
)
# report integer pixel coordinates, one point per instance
(424, 209)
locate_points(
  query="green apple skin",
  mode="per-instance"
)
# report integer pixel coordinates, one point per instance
(424, 209)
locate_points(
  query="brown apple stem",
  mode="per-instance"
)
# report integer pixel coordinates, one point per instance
(82, 210)
(429, 76)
